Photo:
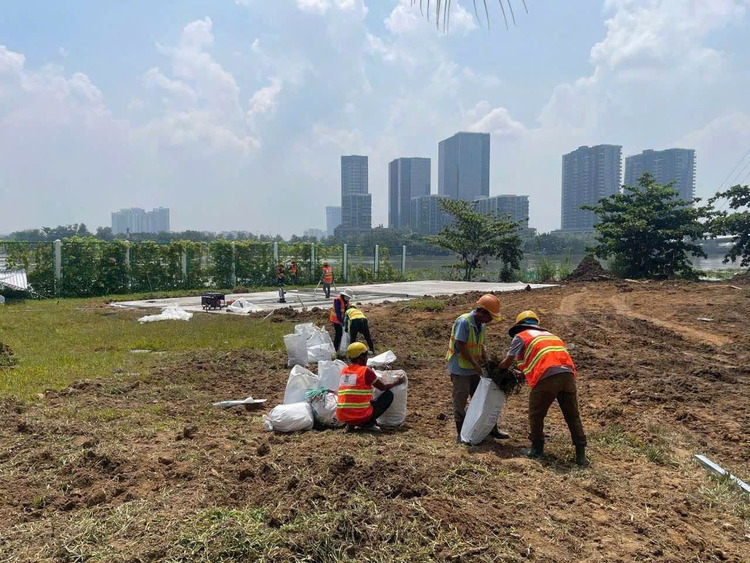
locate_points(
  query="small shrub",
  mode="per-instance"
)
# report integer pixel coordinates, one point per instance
(545, 270)
(240, 289)
(432, 305)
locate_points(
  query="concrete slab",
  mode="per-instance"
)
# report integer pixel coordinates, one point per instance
(372, 293)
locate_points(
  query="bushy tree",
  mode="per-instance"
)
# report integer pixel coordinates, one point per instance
(735, 224)
(476, 238)
(649, 232)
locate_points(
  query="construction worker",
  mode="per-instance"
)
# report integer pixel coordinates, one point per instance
(280, 275)
(338, 312)
(327, 279)
(356, 323)
(551, 374)
(465, 355)
(356, 406)
(293, 269)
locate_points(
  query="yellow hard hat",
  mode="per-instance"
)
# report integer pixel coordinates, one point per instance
(523, 315)
(491, 304)
(355, 350)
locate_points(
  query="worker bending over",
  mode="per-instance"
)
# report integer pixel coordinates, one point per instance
(465, 354)
(551, 374)
(327, 279)
(337, 317)
(356, 324)
(356, 407)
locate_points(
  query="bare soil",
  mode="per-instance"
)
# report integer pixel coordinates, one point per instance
(140, 467)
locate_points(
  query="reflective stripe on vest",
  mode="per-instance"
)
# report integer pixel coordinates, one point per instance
(474, 343)
(542, 350)
(327, 274)
(354, 395)
(353, 313)
(334, 317)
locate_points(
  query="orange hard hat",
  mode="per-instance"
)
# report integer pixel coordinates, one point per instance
(491, 304)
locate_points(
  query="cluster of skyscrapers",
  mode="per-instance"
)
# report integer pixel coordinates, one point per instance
(591, 173)
(137, 220)
(463, 173)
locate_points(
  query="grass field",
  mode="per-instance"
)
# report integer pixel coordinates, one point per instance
(58, 342)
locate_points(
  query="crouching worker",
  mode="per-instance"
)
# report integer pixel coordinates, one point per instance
(356, 406)
(551, 374)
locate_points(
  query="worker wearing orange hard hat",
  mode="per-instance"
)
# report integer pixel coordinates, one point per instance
(550, 372)
(466, 353)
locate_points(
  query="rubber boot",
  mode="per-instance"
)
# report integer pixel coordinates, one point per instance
(499, 434)
(459, 425)
(581, 455)
(536, 449)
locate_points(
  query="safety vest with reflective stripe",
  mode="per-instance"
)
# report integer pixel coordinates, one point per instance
(542, 350)
(354, 395)
(327, 274)
(352, 313)
(334, 317)
(475, 342)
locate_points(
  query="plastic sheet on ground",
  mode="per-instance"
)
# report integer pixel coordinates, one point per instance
(483, 411)
(300, 381)
(171, 313)
(396, 413)
(243, 307)
(243, 402)
(289, 418)
(382, 360)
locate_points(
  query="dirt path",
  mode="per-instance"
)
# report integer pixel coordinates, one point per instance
(581, 302)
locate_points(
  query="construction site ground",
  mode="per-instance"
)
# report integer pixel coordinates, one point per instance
(134, 464)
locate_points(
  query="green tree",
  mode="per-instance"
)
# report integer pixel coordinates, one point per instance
(476, 238)
(736, 224)
(649, 232)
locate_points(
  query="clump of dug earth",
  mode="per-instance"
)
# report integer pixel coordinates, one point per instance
(507, 380)
(589, 270)
(7, 358)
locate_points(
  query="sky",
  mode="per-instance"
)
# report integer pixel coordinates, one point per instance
(234, 113)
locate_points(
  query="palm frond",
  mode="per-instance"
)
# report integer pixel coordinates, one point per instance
(443, 8)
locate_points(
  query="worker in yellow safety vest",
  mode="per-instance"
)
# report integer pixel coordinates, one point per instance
(550, 372)
(355, 323)
(327, 279)
(356, 406)
(465, 356)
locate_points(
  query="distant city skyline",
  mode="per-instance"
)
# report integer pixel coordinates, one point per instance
(356, 201)
(136, 220)
(588, 174)
(678, 165)
(464, 166)
(408, 177)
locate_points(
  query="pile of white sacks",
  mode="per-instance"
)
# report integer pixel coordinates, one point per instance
(310, 399)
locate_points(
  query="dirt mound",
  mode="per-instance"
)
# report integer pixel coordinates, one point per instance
(742, 279)
(7, 358)
(589, 270)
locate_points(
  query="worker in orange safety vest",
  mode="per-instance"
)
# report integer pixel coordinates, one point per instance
(338, 316)
(327, 279)
(550, 372)
(356, 407)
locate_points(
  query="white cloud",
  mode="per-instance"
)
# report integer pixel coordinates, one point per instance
(177, 92)
(264, 100)
(496, 121)
(322, 6)
(406, 19)
(644, 39)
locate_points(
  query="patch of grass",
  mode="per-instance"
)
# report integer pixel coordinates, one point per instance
(722, 491)
(427, 304)
(657, 450)
(58, 342)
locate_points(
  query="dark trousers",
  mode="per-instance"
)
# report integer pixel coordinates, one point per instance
(358, 326)
(464, 387)
(339, 333)
(327, 290)
(381, 404)
(561, 386)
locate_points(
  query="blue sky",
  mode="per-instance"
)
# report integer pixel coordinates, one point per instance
(251, 102)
